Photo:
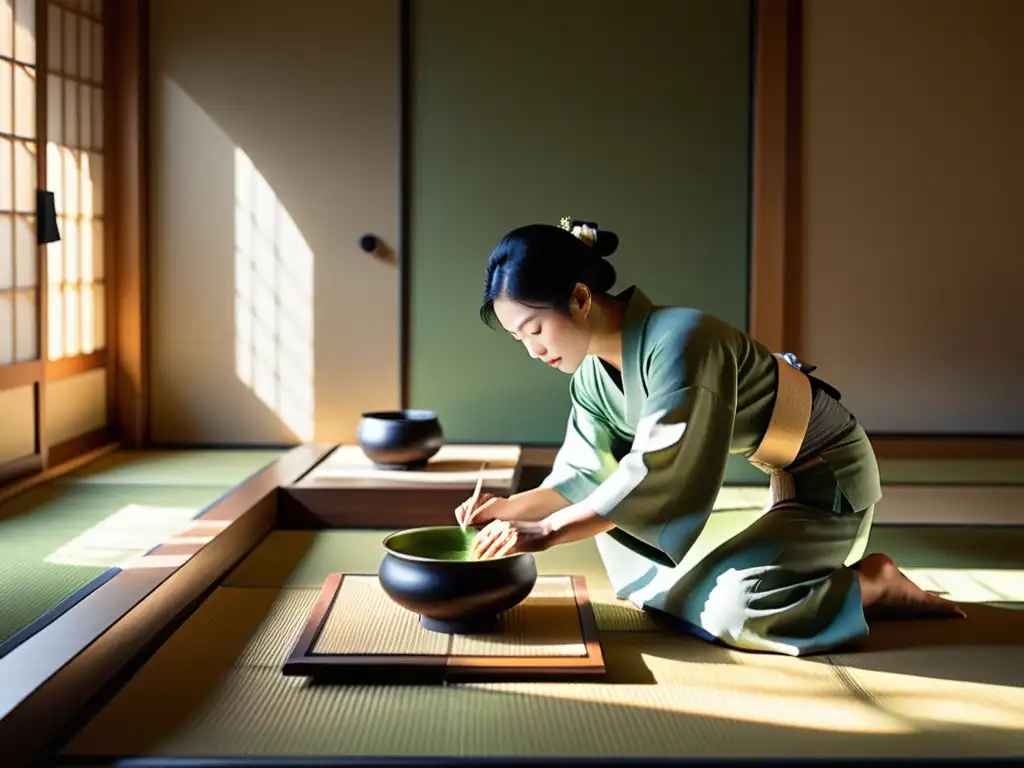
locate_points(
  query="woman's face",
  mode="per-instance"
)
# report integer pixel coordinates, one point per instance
(561, 342)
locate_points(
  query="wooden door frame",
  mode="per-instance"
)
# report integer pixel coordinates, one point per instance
(776, 269)
(128, 324)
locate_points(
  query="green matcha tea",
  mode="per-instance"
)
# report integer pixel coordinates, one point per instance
(449, 543)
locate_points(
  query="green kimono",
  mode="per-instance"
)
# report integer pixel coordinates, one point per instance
(648, 451)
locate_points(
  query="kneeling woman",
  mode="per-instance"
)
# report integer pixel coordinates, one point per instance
(661, 396)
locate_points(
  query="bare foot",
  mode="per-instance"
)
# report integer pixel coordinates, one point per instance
(887, 592)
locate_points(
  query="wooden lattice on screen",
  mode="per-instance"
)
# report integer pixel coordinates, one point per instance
(53, 302)
(19, 175)
(74, 172)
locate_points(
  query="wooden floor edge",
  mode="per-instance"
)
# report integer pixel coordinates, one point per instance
(16, 470)
(50, 677)
(53, 473)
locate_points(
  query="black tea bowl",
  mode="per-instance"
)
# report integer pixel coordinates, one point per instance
(430, 571)
(403, 439)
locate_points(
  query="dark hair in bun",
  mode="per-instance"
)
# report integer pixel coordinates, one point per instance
(539, 265)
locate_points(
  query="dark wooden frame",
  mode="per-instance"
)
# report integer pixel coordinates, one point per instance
(776, 252)
(78, 650)
(775, 192)
(128, 367)
(405, 196)
(302, 662)
(33, 474)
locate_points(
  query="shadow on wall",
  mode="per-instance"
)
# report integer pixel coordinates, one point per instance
(263, 339)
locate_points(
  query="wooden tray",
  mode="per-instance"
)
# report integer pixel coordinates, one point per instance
(356, 633)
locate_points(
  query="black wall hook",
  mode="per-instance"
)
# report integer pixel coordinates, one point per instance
(46, 218)
(369, 243)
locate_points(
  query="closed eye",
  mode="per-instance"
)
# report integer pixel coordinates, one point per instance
(530, 333)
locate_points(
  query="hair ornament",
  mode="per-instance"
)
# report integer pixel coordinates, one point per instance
(585, 231)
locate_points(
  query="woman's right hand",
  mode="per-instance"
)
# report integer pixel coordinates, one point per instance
(487, 508)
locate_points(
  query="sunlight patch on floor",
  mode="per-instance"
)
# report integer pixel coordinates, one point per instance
(971, 585)
(126, 534)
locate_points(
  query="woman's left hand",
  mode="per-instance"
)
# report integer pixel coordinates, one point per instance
(510, 537)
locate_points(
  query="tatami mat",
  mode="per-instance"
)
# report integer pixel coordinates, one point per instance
(29, 587)
(171, 467)
(306, 558)
(55, 510)
(56, 538)
(61, 538)
(546, 623)
(364, 620)
(665, 694)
